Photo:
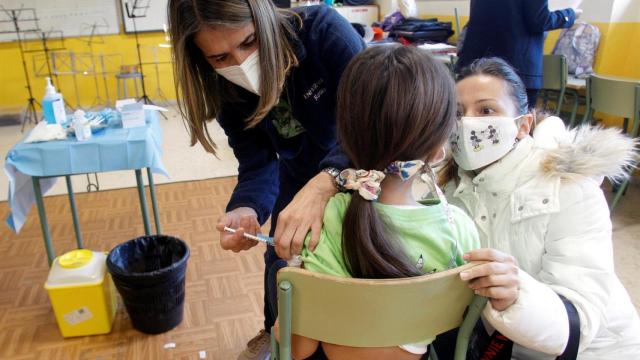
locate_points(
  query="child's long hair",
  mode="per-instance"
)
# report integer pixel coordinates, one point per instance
(394, 103)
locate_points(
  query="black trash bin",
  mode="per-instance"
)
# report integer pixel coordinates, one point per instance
(149, 273)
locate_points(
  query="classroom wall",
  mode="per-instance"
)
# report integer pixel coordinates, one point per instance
(13, 94)
(618, 54)
(618, 21)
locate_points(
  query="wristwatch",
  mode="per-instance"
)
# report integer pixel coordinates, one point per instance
(334, 174)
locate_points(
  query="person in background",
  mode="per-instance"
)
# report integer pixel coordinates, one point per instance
(269, 77)
(543, 221)
(514, 31)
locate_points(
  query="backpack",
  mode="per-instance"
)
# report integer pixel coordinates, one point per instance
(579, 45)
(419, 31)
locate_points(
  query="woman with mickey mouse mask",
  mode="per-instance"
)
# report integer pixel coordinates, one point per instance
(543, 221)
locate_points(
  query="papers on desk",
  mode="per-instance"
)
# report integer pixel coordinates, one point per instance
(439, 49)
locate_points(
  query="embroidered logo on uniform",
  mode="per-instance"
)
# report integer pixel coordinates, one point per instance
(284, 122)
(315, 90)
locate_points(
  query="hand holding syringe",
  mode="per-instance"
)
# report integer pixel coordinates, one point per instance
(295, 261)
(262, 238)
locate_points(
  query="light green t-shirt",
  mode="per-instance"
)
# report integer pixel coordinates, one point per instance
(424, 232)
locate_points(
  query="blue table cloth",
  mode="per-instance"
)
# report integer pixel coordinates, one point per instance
(111, 149)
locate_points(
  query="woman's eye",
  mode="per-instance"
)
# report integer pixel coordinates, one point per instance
(459, 114)
(248, 44)
(220, 59)
(487, 111)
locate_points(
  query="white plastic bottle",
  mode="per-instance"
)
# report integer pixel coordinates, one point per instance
(81, 126)
(53, 105)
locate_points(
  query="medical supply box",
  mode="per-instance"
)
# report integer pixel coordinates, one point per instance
(82, 293)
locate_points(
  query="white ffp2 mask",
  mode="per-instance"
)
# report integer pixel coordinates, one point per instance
(480, 141)
(245, 75)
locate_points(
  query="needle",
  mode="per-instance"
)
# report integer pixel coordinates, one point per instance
(265, 239)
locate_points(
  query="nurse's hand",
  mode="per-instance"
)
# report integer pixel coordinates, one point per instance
(242, 219)
(497, 279)
(303, 214)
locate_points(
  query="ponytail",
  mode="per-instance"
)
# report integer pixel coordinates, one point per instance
(368, 249)
(405, 112)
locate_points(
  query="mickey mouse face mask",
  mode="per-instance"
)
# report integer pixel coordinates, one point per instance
(480, 141)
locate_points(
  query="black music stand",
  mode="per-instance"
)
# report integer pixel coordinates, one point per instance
(18, 17)
(94, 30)
(135, 11)
(44, 38)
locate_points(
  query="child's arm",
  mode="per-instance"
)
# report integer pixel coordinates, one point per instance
(301, 347)
(327, 259)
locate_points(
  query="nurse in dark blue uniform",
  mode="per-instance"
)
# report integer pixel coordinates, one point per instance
(514, 31)
(269, 77)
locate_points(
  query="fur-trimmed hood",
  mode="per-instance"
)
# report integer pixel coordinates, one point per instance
(586, 151)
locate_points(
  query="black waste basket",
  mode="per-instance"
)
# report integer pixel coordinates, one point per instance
(149, 273)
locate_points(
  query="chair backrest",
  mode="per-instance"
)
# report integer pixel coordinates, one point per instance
(555, 72)
(375, 313)
(614, 96)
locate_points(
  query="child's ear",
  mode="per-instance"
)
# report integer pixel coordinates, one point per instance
(526, 121)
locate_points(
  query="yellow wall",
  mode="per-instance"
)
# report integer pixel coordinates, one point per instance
(618, 54)
(13, 94)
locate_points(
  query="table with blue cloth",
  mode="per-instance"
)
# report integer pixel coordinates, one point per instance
(33, 168)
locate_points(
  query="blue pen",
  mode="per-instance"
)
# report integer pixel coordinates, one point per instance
(262, 238)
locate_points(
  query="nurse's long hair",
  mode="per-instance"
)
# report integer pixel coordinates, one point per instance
(394, 103)
(199, 89)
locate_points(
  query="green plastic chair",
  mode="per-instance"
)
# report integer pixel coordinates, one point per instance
(555, 73)
(616, 97)
(374, 313)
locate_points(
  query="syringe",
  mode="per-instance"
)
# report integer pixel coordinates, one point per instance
(262, 238)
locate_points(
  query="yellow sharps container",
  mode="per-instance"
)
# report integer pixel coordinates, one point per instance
(82, 293)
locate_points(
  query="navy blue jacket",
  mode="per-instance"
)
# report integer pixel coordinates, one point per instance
(297, 139)
(514, 31)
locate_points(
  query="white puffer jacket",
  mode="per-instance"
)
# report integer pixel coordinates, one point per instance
(542, 203)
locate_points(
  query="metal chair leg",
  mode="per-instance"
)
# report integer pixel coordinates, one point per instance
(574, 111)
(464, 334)
(619, 193)
(274, 345)
(284, 313)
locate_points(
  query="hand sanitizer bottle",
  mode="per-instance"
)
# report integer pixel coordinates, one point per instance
(81, 126)
(53, 105)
